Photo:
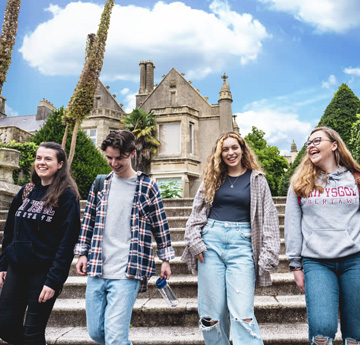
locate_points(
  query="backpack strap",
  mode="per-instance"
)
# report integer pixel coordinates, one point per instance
(99, 184)
(28, 188)
(299, 200)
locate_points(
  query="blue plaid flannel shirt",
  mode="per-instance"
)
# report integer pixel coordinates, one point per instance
(147, 217)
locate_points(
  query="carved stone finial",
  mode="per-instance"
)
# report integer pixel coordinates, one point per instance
(182, 74)
(206, 98)
(114, 95)
(163, 76)
(224, 77)
(121, 105)
(107, 86)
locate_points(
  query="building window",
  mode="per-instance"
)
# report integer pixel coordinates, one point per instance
(91, 133)
(191, 141)
(169, 136)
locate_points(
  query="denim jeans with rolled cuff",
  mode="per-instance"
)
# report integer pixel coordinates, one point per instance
(226, 285)
(330, 286)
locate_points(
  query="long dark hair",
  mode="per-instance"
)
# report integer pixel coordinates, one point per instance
(62, 178)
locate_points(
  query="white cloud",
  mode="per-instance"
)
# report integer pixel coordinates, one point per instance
(352, 71)
(201, 42)
(10, 111)
(280, 128)
(330, 82)
(124, 91)
(325, 15)
(130, 102)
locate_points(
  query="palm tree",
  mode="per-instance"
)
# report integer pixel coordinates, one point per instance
(143, 125)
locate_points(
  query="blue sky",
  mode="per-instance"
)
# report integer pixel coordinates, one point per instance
(285, 59)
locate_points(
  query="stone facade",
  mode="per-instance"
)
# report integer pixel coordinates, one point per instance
(293, 153)
(187, 125)
(105, 117)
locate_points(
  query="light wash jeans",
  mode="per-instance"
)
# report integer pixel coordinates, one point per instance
(226, 284)
(331, 285)
(109, 304)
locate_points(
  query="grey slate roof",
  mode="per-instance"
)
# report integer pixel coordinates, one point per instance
(27, 123)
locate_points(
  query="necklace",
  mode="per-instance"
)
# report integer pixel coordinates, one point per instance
(233, 183)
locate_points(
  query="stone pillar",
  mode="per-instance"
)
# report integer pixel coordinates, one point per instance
(2, 106)
(9, 161)
(142, 77)
(225, 100)
(149, 82)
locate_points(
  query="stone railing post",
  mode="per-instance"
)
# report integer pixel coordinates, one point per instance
(9, 161)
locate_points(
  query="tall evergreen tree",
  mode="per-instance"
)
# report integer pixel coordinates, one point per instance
(82, 100)
(143, 125)
(7, 38)
(340, 115)
(88, 160)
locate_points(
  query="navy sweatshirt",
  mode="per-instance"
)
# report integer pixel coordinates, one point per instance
(39, 238)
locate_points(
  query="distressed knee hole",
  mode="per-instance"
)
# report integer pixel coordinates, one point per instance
(351, 342)
(249, 325)
(207, 322)
(320, 340)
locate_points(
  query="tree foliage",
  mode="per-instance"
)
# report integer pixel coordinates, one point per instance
(82, 101)
(143, 125)
(88, 161)
(273, 163)
(7, 38)
(355, 139)
(339, 115)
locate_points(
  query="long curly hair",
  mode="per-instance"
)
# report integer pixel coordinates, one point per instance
(62, 178)
(215, 170)
(307, 173)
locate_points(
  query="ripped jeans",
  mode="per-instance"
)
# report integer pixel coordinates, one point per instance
(331, 285)
(226, 285)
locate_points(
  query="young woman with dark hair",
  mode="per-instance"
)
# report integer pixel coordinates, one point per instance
(41, 230)
(232, 237)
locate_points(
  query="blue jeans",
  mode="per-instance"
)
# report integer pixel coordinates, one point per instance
(226, 285)
(330, 285)
(109, 304)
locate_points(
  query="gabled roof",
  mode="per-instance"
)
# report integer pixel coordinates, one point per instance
(27, 123)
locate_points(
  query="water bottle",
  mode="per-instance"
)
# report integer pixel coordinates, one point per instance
(166, 292)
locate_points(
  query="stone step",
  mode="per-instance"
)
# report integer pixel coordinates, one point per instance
(172, 210)
(180, 267)
(281, 334)
(180, 222)
(177, 234)
(156, 312)
(185, 286)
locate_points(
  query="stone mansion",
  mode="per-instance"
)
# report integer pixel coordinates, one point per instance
(187, 123)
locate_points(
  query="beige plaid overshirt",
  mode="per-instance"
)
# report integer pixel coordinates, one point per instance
(264, 221)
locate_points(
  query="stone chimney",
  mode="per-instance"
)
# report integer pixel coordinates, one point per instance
(2, 107)
(146, 81)
(44, 109)
(149, 81)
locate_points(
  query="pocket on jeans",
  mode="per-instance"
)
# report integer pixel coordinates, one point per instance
(246, 235)
(205, 229)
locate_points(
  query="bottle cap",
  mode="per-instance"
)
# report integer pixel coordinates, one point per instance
(161, 283)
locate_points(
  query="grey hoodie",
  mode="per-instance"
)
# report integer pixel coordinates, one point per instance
(326, 225)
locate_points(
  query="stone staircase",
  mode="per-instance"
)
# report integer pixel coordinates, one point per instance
(280, 309)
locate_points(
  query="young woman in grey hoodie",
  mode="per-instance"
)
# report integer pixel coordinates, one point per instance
(322, 235)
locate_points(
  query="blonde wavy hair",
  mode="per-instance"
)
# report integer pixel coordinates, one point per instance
(215, 170)
(307, 173)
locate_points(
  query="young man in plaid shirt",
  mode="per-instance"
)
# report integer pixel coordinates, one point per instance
(115, 243)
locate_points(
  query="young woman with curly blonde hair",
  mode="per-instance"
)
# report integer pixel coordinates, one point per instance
(232, 236)
(322, 234)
